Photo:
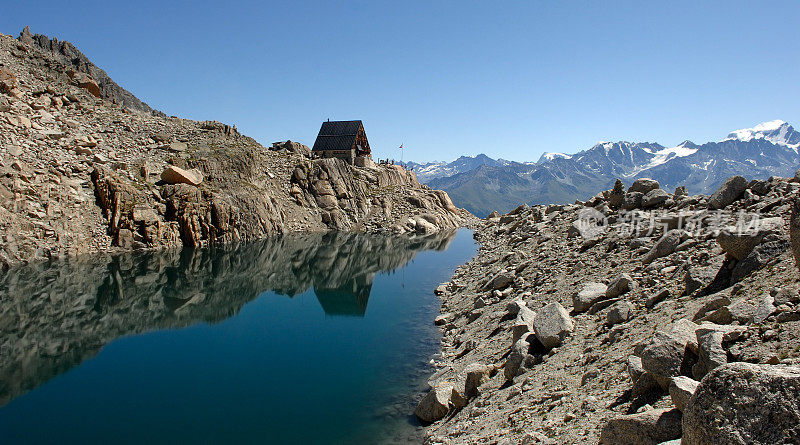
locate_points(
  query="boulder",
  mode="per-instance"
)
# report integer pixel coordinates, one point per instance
(663, 356)
(647, 428)
(476, 375)
(457, 399)
(657, 297)
(680, 191)
(523, 323)
(665, 246)
(634, 367)
(619, 312)
(742, 312)
(743, 403)
(714, 302)
(632, 200)
(681, 390)
(552, 325)
(515, 306)
(645, 385)
(86, 82)
(177, 175)
(654, 198)
(765, 308)
(731, 190)
(722, 315)
(516, 357)
(178, 147)
(443, 319)
(500, 281)
(619, 286)
(643, 185)
(693, 280)
(424, 226)
(587, 296)
(712, 355)
(435, 404)
(8, 81)
(769, 248)
(738, 243)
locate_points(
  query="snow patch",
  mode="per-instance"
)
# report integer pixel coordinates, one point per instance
(550, 156)
(662, 156)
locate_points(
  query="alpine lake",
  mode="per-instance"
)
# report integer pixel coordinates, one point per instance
(313, 338)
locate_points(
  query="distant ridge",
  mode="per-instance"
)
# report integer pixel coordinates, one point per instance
(482, 184)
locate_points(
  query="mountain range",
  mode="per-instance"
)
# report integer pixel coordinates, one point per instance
(482, 184)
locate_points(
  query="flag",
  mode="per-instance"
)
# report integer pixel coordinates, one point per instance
(401, 146)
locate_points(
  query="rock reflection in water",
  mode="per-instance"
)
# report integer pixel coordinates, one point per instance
(55, 315)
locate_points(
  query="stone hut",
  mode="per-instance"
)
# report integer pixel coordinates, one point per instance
(344, 140)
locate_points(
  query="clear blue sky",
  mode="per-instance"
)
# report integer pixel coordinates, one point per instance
(510, 79)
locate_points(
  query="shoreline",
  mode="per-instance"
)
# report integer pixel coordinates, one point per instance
(488, 391)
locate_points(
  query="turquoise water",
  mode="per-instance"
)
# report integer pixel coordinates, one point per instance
(297, 339)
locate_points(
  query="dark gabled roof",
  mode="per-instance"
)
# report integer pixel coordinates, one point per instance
(337, 135)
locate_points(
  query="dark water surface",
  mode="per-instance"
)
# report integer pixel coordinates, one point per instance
(297, 339)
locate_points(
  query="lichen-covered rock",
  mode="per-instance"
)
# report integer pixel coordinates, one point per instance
(743, 403)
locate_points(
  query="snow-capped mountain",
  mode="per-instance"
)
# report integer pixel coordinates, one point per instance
(768, 149)
(778, 132)
(432, 170)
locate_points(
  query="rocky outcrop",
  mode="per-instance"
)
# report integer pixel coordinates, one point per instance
(83, 174)
(354, 197)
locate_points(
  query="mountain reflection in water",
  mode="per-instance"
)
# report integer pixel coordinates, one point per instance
(55, 315)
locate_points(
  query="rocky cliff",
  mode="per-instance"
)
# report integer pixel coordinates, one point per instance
(639, 317)
(83, 170)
